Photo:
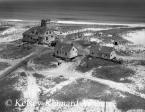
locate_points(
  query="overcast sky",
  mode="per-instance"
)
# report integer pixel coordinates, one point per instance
(99, 10)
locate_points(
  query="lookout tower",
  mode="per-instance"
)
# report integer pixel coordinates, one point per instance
(49, 24)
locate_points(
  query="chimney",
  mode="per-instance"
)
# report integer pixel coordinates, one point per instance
(43, 22)
(115, 43)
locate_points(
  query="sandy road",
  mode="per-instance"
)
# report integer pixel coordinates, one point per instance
(10, 61)
(31, 93)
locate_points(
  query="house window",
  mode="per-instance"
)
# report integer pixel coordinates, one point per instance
(32, 31)
(51, 35)
(56, 52)
(65, 54)
(46, 38)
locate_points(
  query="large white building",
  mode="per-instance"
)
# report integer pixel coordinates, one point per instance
(44, 34)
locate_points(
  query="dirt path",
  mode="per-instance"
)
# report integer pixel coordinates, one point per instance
(58, 87)
(31, 94)
(10, 61)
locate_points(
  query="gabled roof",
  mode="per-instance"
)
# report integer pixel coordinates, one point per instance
(64, 46)
(95, 47)
(103, 49)
(106, 49)
(30, 30)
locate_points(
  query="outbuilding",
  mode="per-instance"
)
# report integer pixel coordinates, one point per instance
(101, 51)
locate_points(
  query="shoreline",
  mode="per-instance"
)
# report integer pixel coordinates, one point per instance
(79, 22)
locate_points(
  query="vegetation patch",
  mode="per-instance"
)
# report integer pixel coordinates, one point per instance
(58, 79)
(48, 82)
(2, 28)
(131, 102)
(86, 89)
(7, 92)
(14, 51)
(7, 95)
(81, 89)
(114, 73)
(3, 65)
(47, 60)
(89, 63)
(141, 62)
(38, 75)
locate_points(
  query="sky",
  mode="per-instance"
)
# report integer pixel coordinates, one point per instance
(132, 11)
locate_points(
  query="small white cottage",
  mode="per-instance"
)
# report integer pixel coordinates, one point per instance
(65, 50)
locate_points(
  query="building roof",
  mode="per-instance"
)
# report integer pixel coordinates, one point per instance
(40, 30)
(103, 49)
(123, 53)
(106, 49)
(64, 46)
(95, 47)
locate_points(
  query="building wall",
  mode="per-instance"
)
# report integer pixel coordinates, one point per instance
(113, 55)
(61, 53)
(99, 54)
(29, 38)
(48, 36)
(51, 36)
(65, 54)
(94, 52)
(73, 52)
(105, 55)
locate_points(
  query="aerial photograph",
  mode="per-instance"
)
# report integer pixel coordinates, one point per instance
(72, 55)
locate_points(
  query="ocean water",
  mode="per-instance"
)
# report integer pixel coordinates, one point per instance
(97, 10)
